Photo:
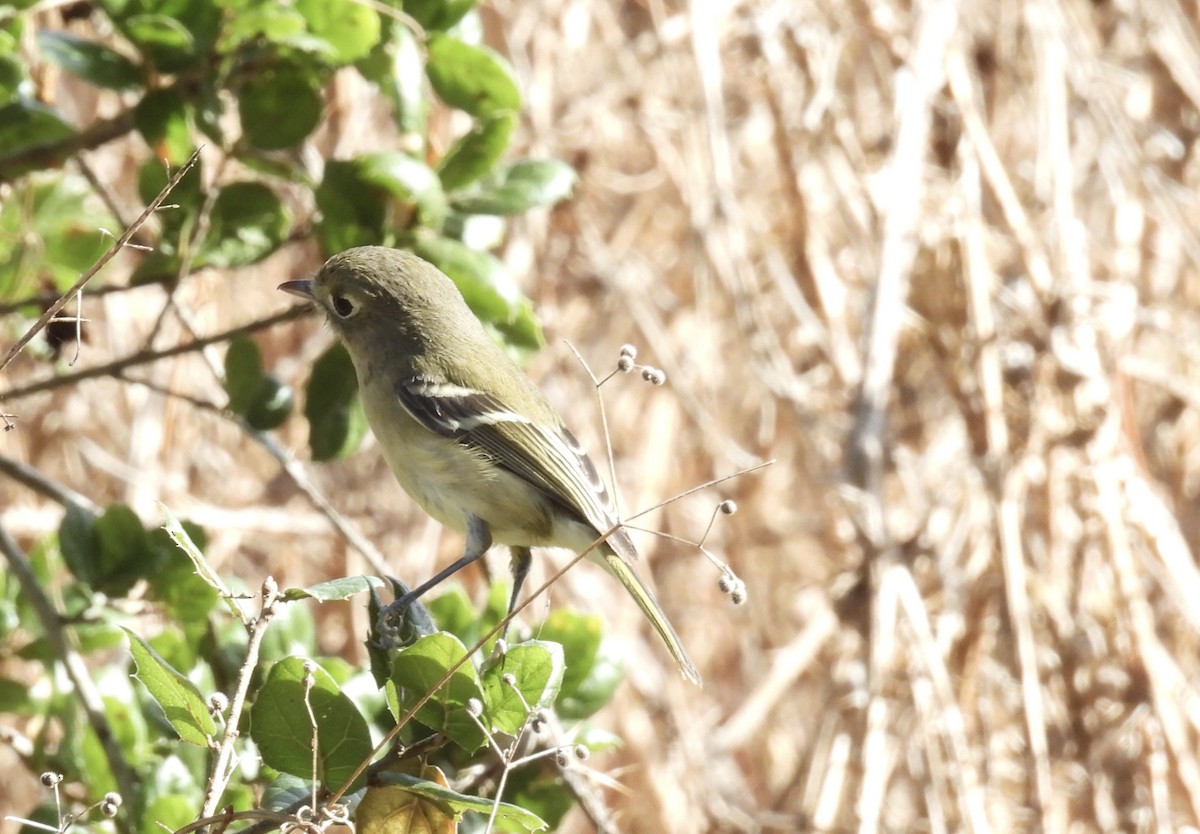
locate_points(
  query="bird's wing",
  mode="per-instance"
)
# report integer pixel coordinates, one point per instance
(480, 421)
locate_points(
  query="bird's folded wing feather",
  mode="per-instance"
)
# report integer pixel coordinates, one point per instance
(560, 469)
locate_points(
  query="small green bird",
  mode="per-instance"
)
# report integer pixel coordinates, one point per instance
(465, 432)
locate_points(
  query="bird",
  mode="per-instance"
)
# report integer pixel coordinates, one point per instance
(464, 430)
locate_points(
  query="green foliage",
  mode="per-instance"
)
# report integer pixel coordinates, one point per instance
(337, 423)
(88, 59)
(261, 398)
(310, 720)
(68, 218)
(271, 63)
(248, 79)
(296, 690)
(181, 702)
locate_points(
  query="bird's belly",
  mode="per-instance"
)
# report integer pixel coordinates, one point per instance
(452, 483)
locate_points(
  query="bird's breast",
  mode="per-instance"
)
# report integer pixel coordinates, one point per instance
(451, 481)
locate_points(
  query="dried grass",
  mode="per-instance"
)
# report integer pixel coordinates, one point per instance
(940, 263)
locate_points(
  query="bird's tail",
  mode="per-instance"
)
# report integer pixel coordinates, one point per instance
(623, 571)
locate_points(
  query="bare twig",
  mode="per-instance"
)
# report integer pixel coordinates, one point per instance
(222, 765)
(41, 484)
(54, 309)
(144, 357)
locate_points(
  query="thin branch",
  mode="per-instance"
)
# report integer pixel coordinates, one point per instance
(54, 309)
(53, 154)
(25, 474)
(222, 766)
(145, 357)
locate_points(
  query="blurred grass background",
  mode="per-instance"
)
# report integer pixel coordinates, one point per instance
(938, 261)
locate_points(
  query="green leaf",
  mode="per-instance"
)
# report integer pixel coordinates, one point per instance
(187, 595)
(279, 106)
(350, 28)
(15, 698)
(580, 636)
(68, 217)
(12, 76)
(520, 187)
(337, 423)
(410, 181)
(272, 405)
(484, 281)
(168, 43)
(89, 60)
(438, 15)
(453, 612)
(471, 78)
(280, 726)
(27, 124)
(285, 790)
(537, 670)
(78, 543)
(179, 699)
(541, 791)
(461, 802)
(335, 589)
(262, 399)
(269, 21)
(352, 210)
(249, 222)
(595, 690)
(522, 333)
(168, 812)
(243, 373)
(162, 120)
(407, 89)
(124, 554)
(418, 668)
(476, 152)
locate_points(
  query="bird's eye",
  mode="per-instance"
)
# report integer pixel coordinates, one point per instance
(344, 306)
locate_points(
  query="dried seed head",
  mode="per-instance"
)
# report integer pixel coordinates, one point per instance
(110, 804)
(728, 506)
(537, 721)
(655, 376)
(562, 757)
(725, 583)
(474, 707)
(582, 752)
(218, 703)
(737, 593)
(625, 364)
(509, 679)
(51, 780)
(628, 351)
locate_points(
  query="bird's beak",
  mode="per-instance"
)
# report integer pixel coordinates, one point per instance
(303, 288)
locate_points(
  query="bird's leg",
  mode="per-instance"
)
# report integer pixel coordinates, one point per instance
(479, 539)
(520, 560)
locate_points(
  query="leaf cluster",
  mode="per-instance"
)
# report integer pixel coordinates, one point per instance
(313, 721)
(250, 81)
